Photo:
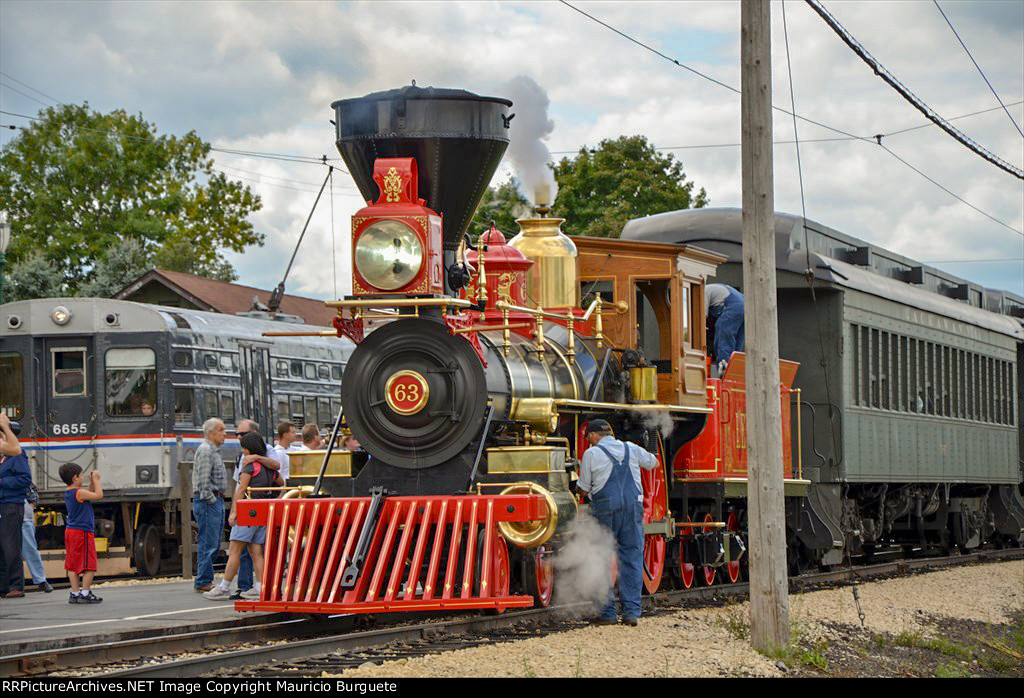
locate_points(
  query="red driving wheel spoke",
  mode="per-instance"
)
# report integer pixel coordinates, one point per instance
(709, 572)
(732, 568)
(654, 562)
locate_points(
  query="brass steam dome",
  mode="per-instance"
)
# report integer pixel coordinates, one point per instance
(551, 281)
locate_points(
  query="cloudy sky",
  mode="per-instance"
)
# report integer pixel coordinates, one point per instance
(260, 77)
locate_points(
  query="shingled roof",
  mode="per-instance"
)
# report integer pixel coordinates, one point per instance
(187, 290)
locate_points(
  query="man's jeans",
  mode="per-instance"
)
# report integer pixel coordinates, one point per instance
(245, 570)
(210, 518)
(30, 552)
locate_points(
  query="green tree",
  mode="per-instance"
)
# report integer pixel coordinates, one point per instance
(32, 277)
(180, 255)
(599, 190)
(122, 264)
(75, 182)
(502, 204)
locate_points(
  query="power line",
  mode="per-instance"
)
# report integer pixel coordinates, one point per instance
(888, 150)
(881, 71)
(1012, 120)
(11, 77)
(970, 261)
(14, 89)
(700, 74)
(952, 118)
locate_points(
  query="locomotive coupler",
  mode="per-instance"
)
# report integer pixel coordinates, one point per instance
(355, 564)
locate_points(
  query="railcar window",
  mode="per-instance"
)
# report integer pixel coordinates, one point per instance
(323, 371)
(335, 409)
(296, 369)
(183, 359)
(310, 371)
(227, 407)
(12, 378)
(69, 372)
(309, 416)
(282, 369)
(210, 406)
(183, 412)
(590, 289)
(324, 410)
(225, 363)
(282, 410)
(912, 375)
(296, 406)
(210, 361)
(130, 379)
(336, 372)
(687, 311)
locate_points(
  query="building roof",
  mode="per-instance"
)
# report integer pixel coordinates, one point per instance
(225, 297)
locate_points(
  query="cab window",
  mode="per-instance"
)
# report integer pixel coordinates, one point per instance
(12, 397)
(130, 377)
(69, 372)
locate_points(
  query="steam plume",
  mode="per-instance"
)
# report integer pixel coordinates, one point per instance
(527, 150)
(583, 566)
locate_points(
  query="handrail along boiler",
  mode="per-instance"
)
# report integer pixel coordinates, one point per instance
(475, 371)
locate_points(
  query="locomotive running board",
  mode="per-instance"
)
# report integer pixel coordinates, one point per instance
(434, 547)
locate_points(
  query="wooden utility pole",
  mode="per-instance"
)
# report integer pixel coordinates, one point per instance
(769, 600)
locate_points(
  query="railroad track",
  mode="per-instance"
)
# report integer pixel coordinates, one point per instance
(302, 646)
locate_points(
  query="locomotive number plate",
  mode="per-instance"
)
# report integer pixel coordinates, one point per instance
(406, 392)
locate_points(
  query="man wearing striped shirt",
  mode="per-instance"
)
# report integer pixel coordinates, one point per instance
(209, 482)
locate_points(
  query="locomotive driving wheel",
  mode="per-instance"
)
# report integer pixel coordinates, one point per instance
(732, 567)
(654, 561)
(500, 570)
(540, 575)
(708, 572)
(683, 571)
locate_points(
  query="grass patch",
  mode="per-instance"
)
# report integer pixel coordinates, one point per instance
(735, 621)
(528, 673)
(577, 673)
(951, 671)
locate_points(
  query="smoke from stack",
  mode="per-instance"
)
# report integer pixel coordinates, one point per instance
(527, 150)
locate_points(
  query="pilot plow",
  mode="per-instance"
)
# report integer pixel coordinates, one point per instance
(382, 554)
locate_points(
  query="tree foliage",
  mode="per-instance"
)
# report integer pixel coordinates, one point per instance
(33, 277)
(76, 182)
(600, 190)
(122, 264)
(502, 204)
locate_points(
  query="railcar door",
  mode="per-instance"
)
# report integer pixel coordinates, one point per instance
(254, 371)
(69, 417)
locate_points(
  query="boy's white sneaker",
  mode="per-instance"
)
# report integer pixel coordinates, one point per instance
(217, 594)
(250, 595)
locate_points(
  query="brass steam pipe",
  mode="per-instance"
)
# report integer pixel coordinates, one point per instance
(325, 333)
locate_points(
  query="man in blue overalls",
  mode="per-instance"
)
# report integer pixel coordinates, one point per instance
(610, 474)
(724, 307)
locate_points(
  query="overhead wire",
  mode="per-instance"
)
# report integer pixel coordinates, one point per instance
(876, 139)
(882, 72)
(982, 72)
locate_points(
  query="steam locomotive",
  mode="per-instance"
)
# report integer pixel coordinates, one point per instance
(477, 366)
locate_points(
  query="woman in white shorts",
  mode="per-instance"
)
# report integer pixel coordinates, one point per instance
(251, 537)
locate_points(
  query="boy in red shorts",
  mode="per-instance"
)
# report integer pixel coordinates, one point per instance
(80, 531)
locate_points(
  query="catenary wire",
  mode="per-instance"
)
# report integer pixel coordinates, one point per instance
(982, 72)
(882, 72)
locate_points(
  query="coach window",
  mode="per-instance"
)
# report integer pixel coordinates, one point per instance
(282, 369)
(310, 371)
(296, 369)
(336, 372)
(12, 399)
(309, 416)
(296, 409)
(227, 407)
(282, 410)
(210, 361)
(324, 410)
(183, 359)
(323, 372)
(335, 408)
(130, 378)
(210, 406)
(183, 413)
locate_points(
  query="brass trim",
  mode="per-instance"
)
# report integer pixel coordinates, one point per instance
(399, 303)
(523, 534)
(420, 404)
(569, 365)
(586, 404)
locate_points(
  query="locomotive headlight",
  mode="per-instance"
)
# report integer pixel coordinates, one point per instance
(388, 255)
(61, 315)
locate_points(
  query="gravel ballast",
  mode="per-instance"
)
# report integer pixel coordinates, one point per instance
(703, 642)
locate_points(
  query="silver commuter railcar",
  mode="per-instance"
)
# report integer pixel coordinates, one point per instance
(125, 387)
